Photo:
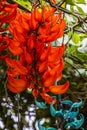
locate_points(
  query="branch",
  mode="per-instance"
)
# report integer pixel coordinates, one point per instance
(75, 29)
(81, 31)
(63, 9)
(80, 22)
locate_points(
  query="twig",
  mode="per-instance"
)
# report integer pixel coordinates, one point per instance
(80, 22)
(77, 71)
(75, 58)
(68, 40)
(61, 2)
(21, 6)
(81, 31)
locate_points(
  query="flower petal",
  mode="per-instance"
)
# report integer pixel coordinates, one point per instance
(48, 98)
(60, 89)
(16, 85)
(35, 92)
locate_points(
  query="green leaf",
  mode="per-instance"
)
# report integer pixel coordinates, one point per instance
(71, 2)
(76, 38)
(69, 60)
(72, 8)
(43, 2)
(80, 1)
(81, 11)
(24, 3)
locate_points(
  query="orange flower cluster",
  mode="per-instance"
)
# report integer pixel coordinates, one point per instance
(38, 65)
(7, 14)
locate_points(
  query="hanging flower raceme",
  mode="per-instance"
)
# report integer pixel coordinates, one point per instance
(39, 64)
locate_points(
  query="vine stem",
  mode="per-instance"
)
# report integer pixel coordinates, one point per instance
(6, 91)
(18, 96)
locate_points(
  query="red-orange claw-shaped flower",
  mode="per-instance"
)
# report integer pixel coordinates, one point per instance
(12, 72)
(35, 92)
(48, 98)
(19, 37)
(45, 53)
(2, 47)
(54, 1)
(42, 66)
(28, 57)
(15, 64)
(16, 85)
(47, 13)
(15, 50)
(33, 23)
(56, 53)
(49, 81)
(31, 41)
(59, 89)
(38, 14)
(24, 21)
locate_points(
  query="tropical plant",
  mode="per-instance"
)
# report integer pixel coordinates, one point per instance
(43, 68)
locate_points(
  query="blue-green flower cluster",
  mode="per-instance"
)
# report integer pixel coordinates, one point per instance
(68, 112)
